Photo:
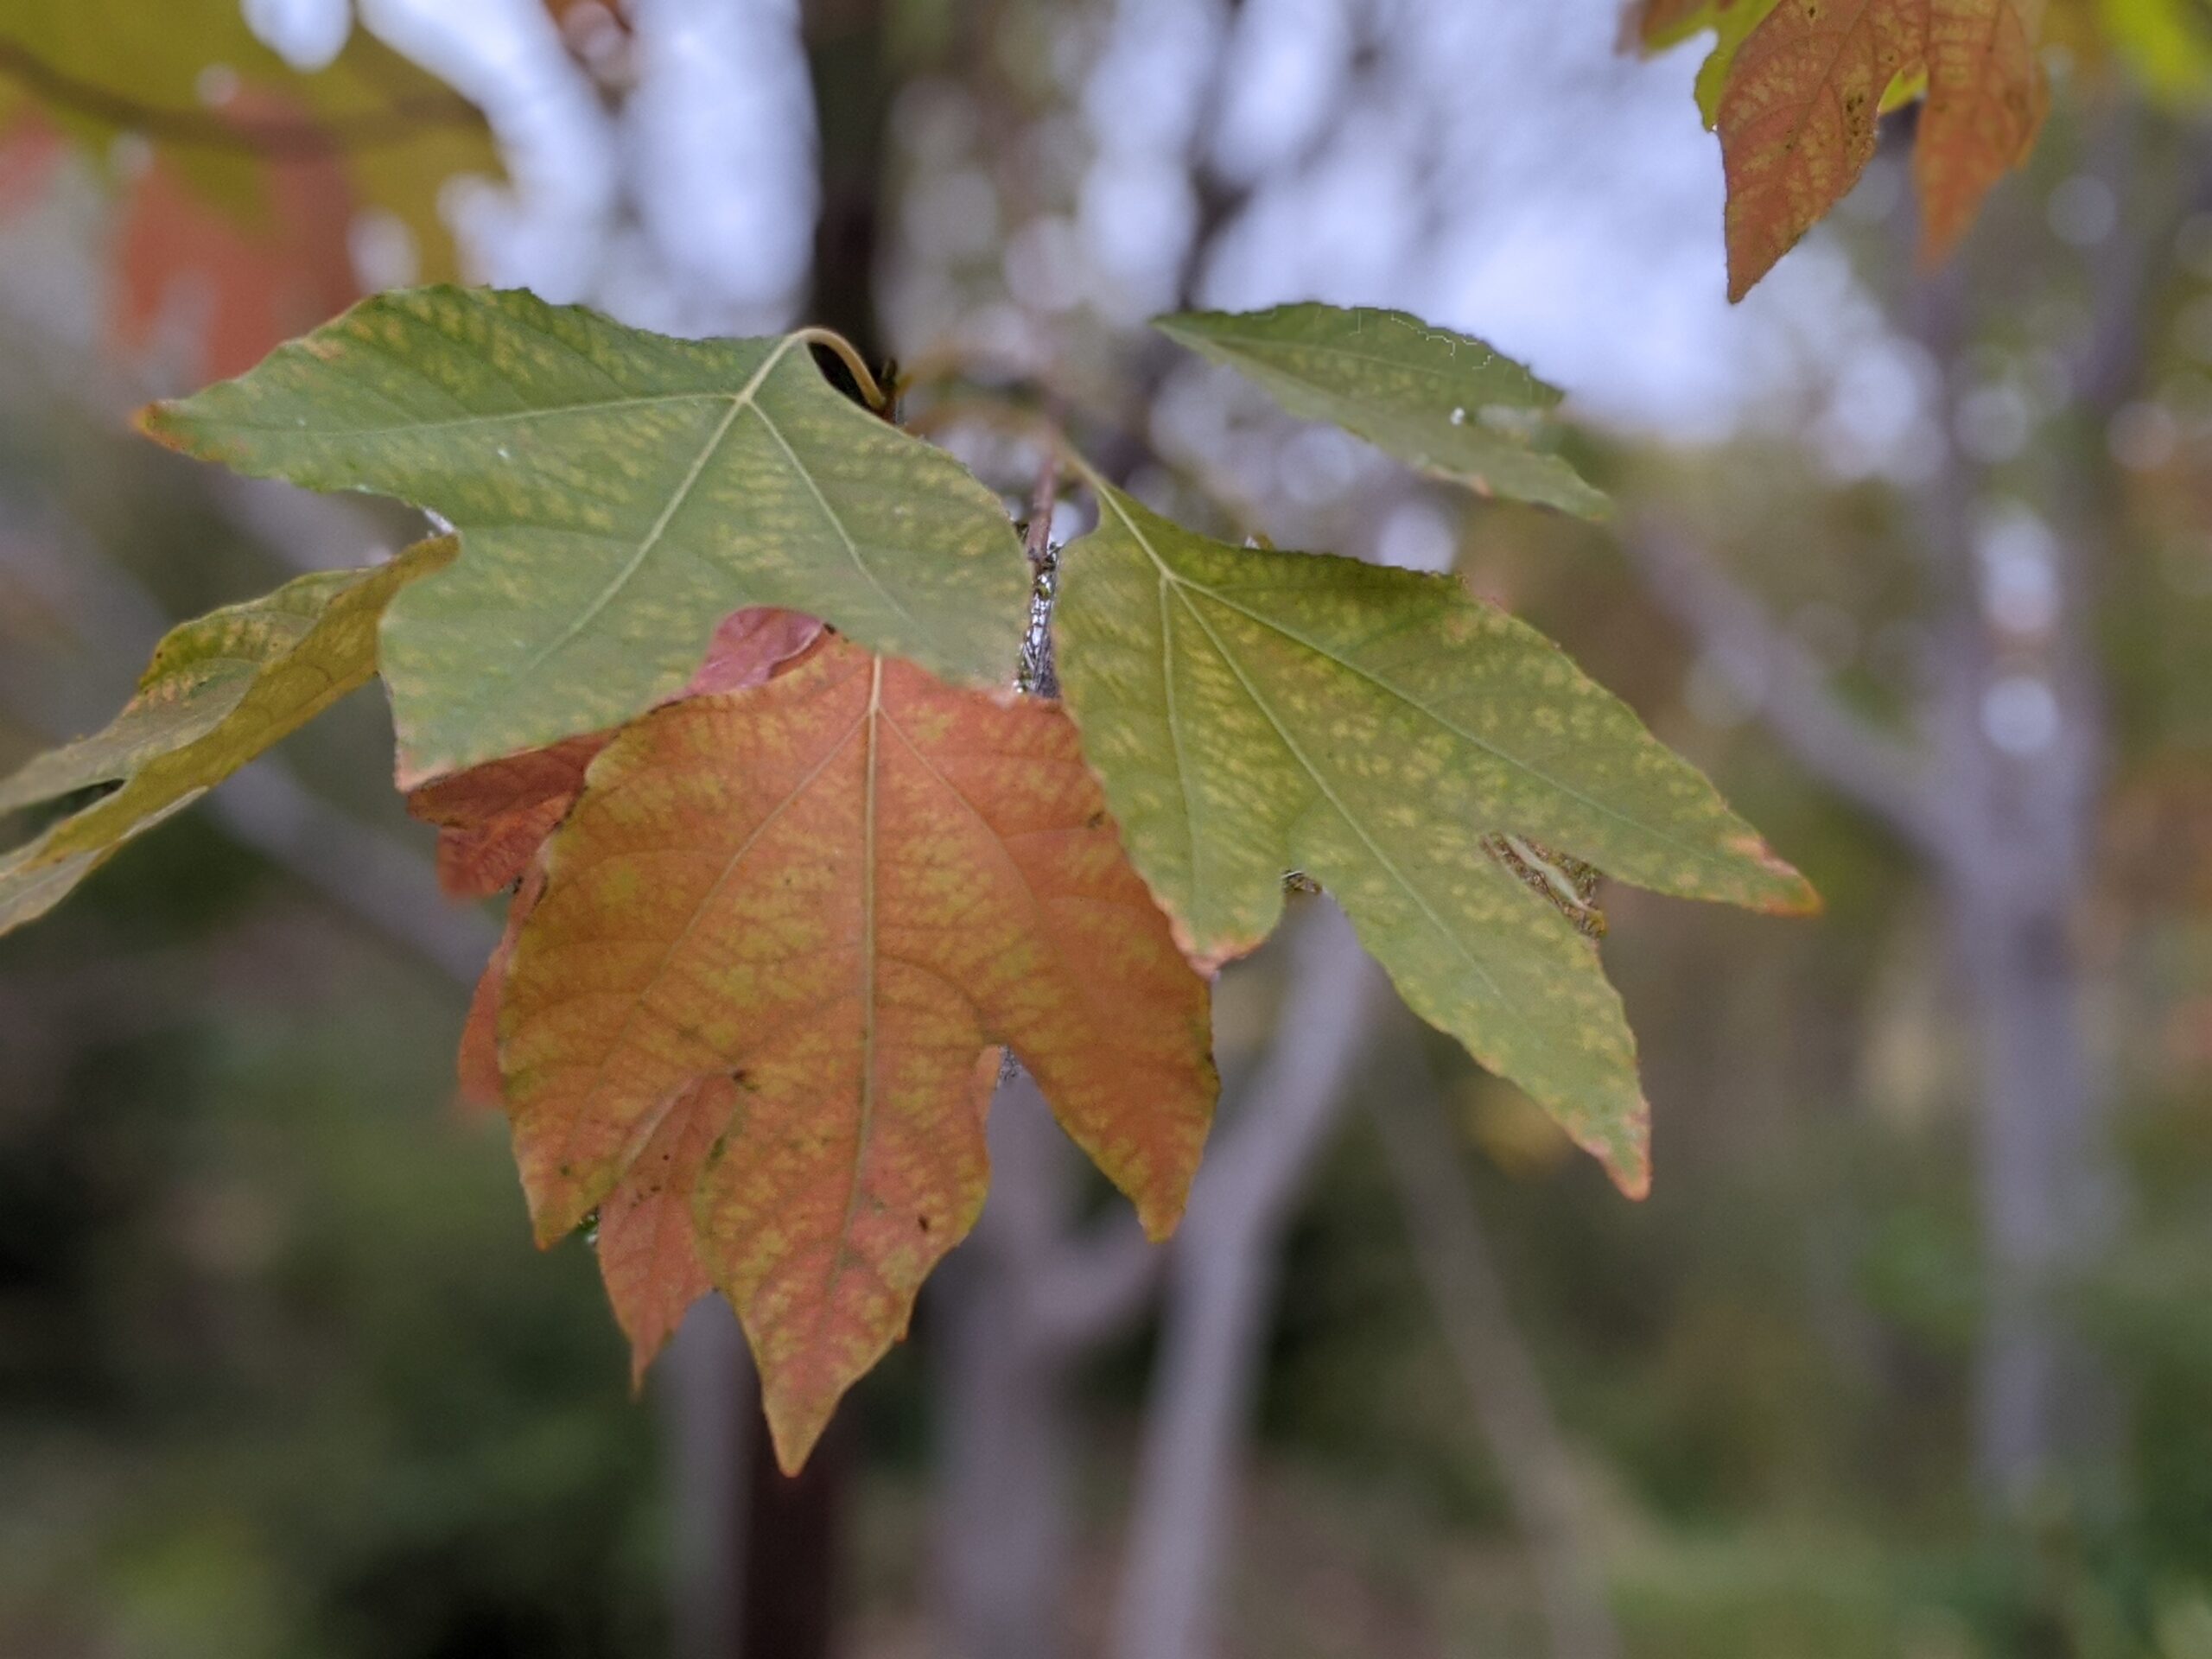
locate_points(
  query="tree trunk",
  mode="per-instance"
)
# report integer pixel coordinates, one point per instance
(1504, 1391)
(1004, 1528)
(704, 1384)
(2045, 1189)
(1221, 1292)
(787, 1597)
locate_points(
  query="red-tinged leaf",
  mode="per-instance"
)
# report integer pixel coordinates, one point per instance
(29, 150)
(836, 891)
(1656, 24)
(1985, 102)
(257, 281)
(478, 1061)
(648, 1245)
(749, 646)
(492, 819)
(1798, 116)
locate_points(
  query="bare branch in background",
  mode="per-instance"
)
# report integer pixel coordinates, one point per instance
(1221, 1288)
(1005, 1527)
(1776, 676)
(1504, 1391)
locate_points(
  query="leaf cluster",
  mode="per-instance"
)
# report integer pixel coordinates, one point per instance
(1796, 88)
(715, 671)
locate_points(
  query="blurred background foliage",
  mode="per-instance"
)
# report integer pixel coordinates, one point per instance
(279, 1371)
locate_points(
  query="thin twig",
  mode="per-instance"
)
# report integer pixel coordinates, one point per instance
(1787, 686)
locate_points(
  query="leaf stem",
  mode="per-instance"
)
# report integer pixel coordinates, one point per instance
(863, 377)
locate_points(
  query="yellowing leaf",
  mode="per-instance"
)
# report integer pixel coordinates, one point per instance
(1985, 102)
(1732, 28)
(1253, 713)
(838, 894)
(1662, 24)
(1797, 118)
(617, 493)
(1444, 403)
(1658, 24)
(220, 691)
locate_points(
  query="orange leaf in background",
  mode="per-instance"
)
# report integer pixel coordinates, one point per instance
(1806, 88)
(837, 893)
(29, 150)
(1987, 98)
(261, 282)
(492, 819)
(1798, 116)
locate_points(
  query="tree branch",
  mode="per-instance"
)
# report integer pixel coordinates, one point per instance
(1504, 1391)
(1221, 1287)
(267, 138)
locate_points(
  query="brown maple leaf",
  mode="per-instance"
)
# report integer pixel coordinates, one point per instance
(783, 935)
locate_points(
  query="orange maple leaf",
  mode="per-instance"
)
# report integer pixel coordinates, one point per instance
(1797, 121)
(493, 819)
(783, 934)
(1986, 99)
(1805, 93)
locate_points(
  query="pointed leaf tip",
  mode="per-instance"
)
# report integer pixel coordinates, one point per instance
(1631, 1170)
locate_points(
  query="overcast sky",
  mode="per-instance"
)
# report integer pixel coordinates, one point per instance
(1511, 174)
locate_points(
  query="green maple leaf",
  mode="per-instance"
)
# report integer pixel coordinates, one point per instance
(1443, 403)
(1254, 712)
(219, 690)
(616, 494)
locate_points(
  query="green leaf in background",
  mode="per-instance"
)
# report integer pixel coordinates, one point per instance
(1252, 712)
(616, 494)
(220, 690)
(2167, 43)
(1440, 402)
